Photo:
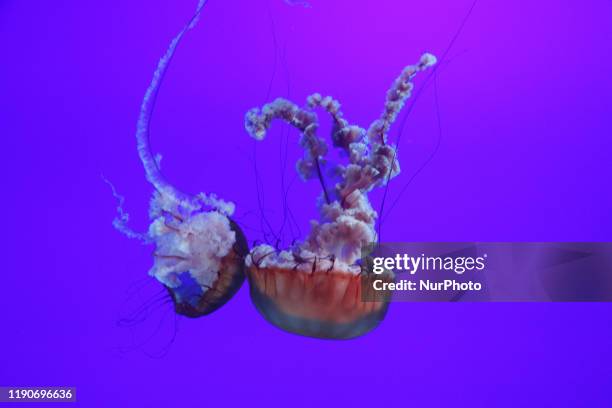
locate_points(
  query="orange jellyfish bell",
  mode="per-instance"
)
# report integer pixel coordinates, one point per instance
(324, 303)
(318, 287)
(199, 251)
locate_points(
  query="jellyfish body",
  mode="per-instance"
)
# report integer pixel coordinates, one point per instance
(199, 256)
(199, 251)
(192, 297)
(316, 288)
(320, 303)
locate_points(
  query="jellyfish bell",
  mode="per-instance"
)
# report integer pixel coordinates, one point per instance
(200, 260)
(315, 300)
(199, 250)
(191, 298)
(318, 287)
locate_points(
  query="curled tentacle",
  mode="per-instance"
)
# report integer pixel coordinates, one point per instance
(343, 133)
(258, 122)
(121, 220)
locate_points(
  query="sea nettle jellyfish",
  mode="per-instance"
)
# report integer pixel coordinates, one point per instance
(315, 287)
(199, 251)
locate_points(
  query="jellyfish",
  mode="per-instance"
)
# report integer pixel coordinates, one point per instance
(314, 287)
(199, 250)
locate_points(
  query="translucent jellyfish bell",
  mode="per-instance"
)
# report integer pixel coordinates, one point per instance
(199, 251)
(315, 287)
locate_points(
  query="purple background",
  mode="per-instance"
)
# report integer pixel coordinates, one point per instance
(525, 155)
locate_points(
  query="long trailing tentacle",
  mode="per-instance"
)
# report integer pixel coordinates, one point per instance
(147, 107)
